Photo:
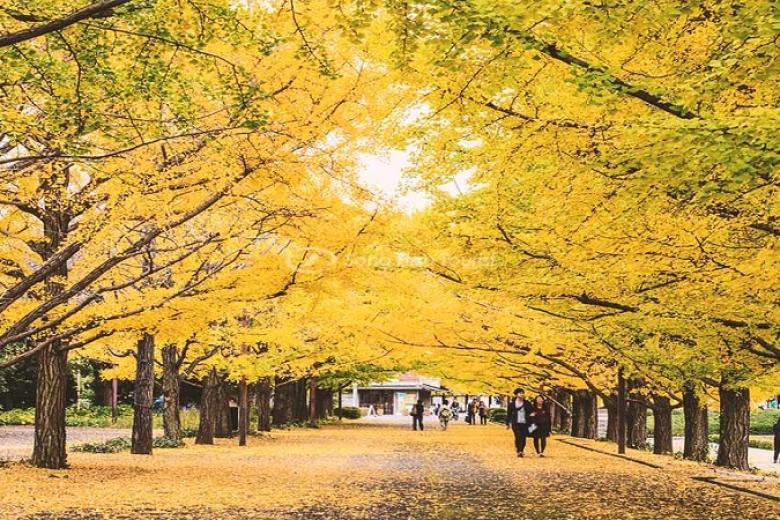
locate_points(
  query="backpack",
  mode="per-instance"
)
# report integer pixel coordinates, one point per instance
(445, 413)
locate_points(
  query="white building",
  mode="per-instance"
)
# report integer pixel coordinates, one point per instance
(396, 396)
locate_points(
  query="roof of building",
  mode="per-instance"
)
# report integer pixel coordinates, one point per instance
(401, 385)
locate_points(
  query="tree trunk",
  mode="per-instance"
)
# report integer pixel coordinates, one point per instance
(324, 403)
(553, 408)
(620, 411)
(208, 404)
(612, 427)
(300, 404)
(243, 411)
(564, 417)
(104, 393)
(734, 427)
(584, 415)
(51, 387)
(222, 429)
(114, 400)
(662, 425)
(263, 404)
(636, 417)
(144, 397)
(171, 390)
(341, 402)
(591, 413)
(696, 423)
(577, 415)
(313, 402)
(283, 402)
(52, 370)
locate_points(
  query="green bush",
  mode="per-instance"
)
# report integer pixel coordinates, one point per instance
(761, 422)
(96, 417)
(122, 443)
(164, 442)
(498, 415)
(349, 412)
(109, 446)
(189, 432)
(761, 444)
(18, 416)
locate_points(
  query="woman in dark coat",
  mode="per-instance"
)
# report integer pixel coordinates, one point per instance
(540, 418)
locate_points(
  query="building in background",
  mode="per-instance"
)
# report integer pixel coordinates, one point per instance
(396, 396)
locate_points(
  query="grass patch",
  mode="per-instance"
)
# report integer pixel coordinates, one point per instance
(761, 422)
(97, 417)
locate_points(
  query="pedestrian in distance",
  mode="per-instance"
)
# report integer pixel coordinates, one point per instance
(455, 409)
(473, 409)
(540, 425)
(445, 414)
(418, 410)
(518, 418)
(483, 413)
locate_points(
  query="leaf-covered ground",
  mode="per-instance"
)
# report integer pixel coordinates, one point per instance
(363, 471)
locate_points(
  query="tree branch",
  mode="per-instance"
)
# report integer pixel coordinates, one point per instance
(61, 23)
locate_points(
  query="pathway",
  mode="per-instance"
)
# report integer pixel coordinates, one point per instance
(374, 471)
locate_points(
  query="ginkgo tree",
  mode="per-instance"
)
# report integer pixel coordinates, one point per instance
(614, 213)
(122, 184)
(621, 166)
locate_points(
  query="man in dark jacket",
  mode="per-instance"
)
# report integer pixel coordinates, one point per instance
(518, 417)
(418, 410)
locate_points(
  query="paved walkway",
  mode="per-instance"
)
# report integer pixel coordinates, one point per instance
(757, 458)
(374, 470)
(16, 442)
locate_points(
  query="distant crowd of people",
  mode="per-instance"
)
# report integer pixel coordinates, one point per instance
(447, 412)
(522, 417)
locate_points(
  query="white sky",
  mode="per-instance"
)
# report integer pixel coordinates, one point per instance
(383, 175)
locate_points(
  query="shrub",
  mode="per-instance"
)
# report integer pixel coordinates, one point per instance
(122, 443)
(762, 421)
(18, 416)
(164, 442)
(349, 412)
(761, 444)
(498, 415)
(189, 432)
(110, 446)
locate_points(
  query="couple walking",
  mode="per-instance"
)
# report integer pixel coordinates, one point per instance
(477, 408)
(525, 418)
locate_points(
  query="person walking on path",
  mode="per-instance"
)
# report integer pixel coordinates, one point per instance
(455, 409)
(472, 410)
(776, 430)
(541, 425)
(445, 414)
(483, 413)
(518, 418)
(418, 410)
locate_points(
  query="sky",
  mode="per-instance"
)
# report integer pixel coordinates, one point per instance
(383, 174)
